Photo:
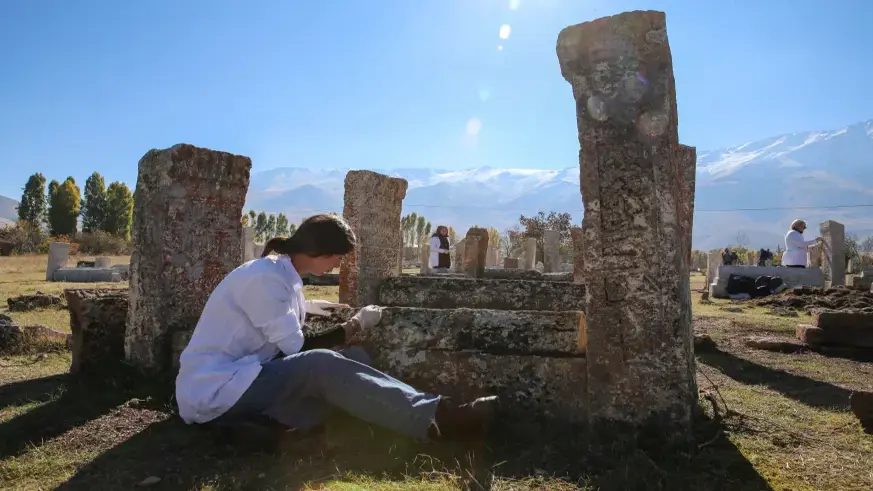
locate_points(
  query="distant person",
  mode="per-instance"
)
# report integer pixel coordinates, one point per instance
(249, 359)
(728, 257)
(796, 247)
(765, 257)
(440, 259)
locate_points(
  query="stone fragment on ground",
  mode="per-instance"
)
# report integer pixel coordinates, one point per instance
(28, 302)
(736, 310)
(97, 322)
(775, 344)
(861, 403)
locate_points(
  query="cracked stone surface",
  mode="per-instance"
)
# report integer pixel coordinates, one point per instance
(452, 292)
(186, 238)
(640, 352)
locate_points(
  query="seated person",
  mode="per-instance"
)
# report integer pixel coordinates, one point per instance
(230, 370)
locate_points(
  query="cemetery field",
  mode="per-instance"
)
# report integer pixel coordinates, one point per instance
(782, 422)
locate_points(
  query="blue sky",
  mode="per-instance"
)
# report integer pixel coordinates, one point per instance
(92, 85)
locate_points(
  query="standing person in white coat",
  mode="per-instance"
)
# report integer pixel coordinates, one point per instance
(249, 359)
(440, 259)
(796, 246)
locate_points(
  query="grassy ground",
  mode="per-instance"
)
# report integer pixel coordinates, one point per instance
(783, 424)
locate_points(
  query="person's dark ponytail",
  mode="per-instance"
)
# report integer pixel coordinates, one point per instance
(318, 235)
(280, 245)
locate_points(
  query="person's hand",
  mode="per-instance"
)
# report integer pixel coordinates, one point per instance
(367, 318)
(322, 307)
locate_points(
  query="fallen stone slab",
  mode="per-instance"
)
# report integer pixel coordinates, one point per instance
(791, 277)
(97, 323)
(488, 331)
(88, 275)
(843, 319)
(526, 385)
(329, 279)
(449, 293)
(861, 403)
(847, 330)
(775, 344)
(28, 302)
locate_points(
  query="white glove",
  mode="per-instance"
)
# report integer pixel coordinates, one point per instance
(369, 316)
(322, 307)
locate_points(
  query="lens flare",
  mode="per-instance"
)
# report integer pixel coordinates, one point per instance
(504, 31)
(473, 126)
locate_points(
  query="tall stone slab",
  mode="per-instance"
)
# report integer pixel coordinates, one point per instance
(833, 235)
(713, 261)
(475, 250)
(578, 254)
(372, 207)
(686, 158)
(425, 259)
(639, 339)
(530, 253)
(551, 251)
(187, 237)
(458, 264)
(59, 252)
(248, 244)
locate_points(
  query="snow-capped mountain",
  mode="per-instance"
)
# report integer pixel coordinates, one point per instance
(749, 192)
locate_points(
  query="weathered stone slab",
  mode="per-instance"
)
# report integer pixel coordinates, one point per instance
(372, 207)
(510, 263)
(489, 331)
(89, 275)
(560, 277)
(843, 319)
(187, 237)
(97, 323)
(327, 279)
(528, 386)
(513, 274)
(450, 293)
(810, 335)
(775, 344)
(833, 235)
(551, 251)
(640, 355)
(530, 253)
(686, 158)
(791, 277)
(32, 301)
(813, 256)
(424, 257)
(248, 244)
(475, 250)
(861, 403)
(713, 261)
(578, 254)
(59, 252)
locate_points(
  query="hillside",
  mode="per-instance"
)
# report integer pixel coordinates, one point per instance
(8, 210)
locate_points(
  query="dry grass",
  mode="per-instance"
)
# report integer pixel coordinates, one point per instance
(786, 425)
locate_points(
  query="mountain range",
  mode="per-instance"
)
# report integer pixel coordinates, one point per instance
(746, 194)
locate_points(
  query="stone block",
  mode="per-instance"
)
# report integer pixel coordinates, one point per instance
(775, 344)
(425, 260)
(513, 274)
(458, 263)
(97, 324)
(833, 235)
(32, 301)
(248, 244)
(187, 237)
(641, 368)
(59, 252)
(861, 403)
(89, 275)
(498, 332)
(530, 253)
(791, 277)
(450, 293)
(529, 386)
(551, 251)
(102, 262)
(578, 254)
(510, 263)
(372, 207)
(810, 335)
(475, 250)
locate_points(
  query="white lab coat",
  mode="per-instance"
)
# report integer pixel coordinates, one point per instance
(435, 251)
(795, 249)
(255, 312)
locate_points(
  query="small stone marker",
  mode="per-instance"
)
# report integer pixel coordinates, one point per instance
(59, 252)
(248, 244)
(833, 236)
(459, 256)
(530, 253)
(551, 251)
(475, 249)
(425, 260)
(97, 324)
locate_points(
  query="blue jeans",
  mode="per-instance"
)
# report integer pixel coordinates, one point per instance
(298, 391)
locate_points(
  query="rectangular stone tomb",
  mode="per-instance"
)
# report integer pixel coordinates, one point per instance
(792, 277)
(449, 293)
(89, 275)
(97, 323)
(489, 331)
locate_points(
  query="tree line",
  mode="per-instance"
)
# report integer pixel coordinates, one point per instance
(58, 208)
(267, 225)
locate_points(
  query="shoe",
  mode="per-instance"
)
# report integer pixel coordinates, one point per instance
(463, 422)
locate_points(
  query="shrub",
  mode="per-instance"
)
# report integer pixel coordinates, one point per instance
(99, 242)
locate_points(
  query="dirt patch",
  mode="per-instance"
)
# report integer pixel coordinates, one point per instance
(837, 298)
